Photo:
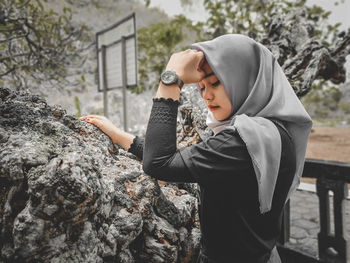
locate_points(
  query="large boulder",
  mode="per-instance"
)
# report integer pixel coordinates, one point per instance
(68, 195)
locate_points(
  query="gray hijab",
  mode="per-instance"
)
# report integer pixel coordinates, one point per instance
(258, 89)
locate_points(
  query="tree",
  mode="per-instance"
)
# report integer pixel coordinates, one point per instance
(38, 45)
(252, 17)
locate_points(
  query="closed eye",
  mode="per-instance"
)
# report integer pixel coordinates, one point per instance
(217, 83)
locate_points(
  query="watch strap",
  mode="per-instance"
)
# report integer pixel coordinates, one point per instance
(180, 83)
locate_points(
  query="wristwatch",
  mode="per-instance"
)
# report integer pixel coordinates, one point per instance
(170, 77)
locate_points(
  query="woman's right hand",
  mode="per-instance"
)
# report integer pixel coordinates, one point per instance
(103, 124)
(187, 65)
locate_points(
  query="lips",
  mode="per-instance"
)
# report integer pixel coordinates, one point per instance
(212, 107)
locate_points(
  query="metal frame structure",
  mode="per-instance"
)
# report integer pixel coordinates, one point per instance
(101, 53)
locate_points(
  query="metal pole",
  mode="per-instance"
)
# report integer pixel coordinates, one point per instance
(104, 74)
(124, 76)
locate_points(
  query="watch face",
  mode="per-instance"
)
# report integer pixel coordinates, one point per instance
(168, 77)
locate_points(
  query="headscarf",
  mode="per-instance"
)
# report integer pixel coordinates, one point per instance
(258, 89)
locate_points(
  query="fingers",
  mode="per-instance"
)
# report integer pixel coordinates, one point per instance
(198, 53)
(98, 123)
(188, 65)
(88, 119)
(199, 57)
(200, 64)
(91, 117)
(200, 61)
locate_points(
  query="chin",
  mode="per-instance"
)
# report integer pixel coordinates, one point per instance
(220, 118)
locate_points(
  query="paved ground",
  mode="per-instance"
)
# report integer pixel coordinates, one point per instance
(305, 223)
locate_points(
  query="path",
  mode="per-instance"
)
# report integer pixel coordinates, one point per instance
(305, 221)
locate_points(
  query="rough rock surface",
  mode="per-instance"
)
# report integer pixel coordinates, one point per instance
(65, 197)
(303, 58)
(192, 115)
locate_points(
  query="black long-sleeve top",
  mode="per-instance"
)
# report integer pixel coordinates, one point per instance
(232, 226)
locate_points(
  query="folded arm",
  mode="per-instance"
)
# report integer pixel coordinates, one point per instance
(221, 158)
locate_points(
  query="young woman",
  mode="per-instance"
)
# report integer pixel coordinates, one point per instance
(249, 168)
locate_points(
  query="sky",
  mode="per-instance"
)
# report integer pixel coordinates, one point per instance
(340, 13)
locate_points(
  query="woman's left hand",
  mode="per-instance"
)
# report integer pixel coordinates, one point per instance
(187, 65)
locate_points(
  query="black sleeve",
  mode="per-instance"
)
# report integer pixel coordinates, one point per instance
(160, 156)
(221, 157)
(136, 148)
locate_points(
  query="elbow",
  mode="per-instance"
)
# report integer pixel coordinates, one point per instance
(156, 164)
(152, 168)
(152, 171)
(149, 167)
(147, 161)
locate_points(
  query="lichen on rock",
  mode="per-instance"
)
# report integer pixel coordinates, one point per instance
(65, 198)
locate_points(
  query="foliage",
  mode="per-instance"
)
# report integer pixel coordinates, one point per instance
(345, 107)
(38, 45)
(251, 17)
(157, 42)
(322, 100)
(77, 106)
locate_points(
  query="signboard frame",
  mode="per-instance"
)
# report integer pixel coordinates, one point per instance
(103, 78)
(102, 72)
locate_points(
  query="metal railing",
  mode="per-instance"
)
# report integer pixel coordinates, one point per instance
(332, 247)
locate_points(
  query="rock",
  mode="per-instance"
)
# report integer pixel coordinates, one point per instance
(303, 57)
(305, 224)
(191, 118)
(298, 233)
(65, 198)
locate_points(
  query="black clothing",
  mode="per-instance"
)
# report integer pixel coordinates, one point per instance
(231, 223)
(136, 147)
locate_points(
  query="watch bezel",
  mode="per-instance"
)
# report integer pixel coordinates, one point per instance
(174, 80)
(165, 77)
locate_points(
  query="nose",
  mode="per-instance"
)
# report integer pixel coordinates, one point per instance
(207, 93)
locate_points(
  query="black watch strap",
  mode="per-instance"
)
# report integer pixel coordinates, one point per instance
(180, 83)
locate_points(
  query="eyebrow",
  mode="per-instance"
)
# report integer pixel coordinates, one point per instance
(209, 74)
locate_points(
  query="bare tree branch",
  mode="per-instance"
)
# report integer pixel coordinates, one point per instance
(8, 72)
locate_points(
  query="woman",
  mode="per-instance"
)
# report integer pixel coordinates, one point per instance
(252, 164)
